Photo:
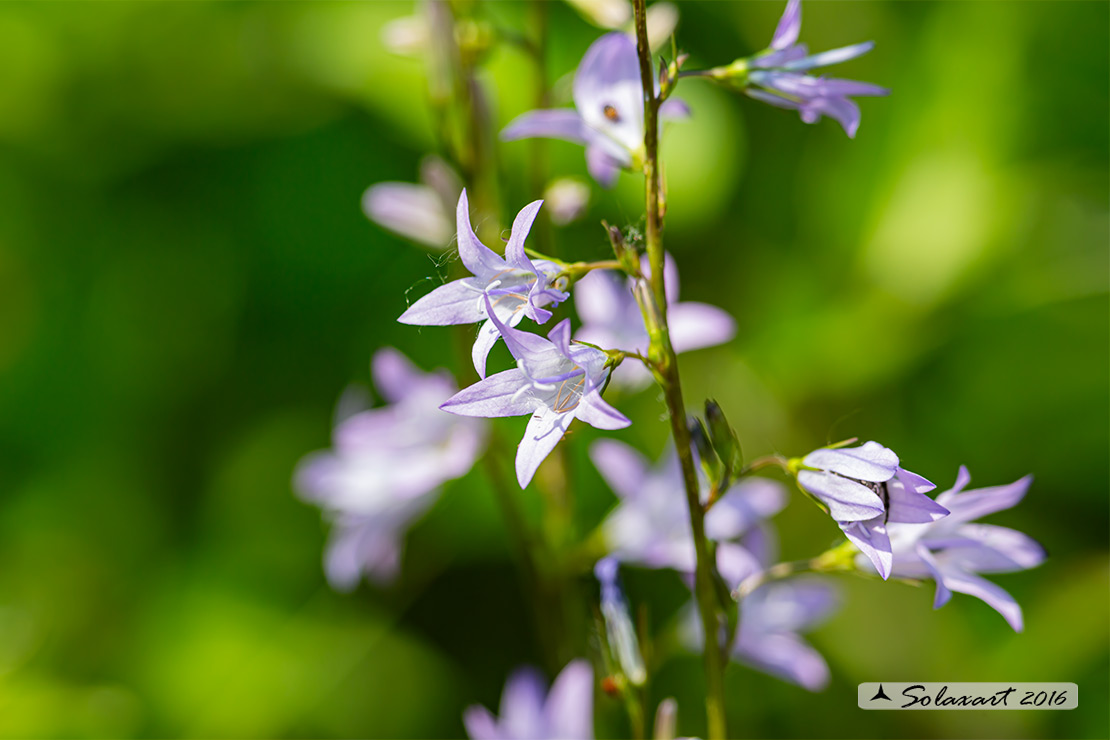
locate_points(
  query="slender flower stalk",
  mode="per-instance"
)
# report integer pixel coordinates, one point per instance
(662, 356)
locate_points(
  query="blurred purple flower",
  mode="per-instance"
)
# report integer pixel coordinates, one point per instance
(619, 630)
(609, 115)
(771, 618)
(528, 712)
(421, 212)
(385, 468)
(517, 286)
(864, 489)
(554, 381)
(611, 318)
(567, 199)
(954, 550)
(768, 639)
(781, 73)
(651, 524)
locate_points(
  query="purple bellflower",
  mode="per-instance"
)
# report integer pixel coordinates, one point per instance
(529, 712)
(651, 524)
(421, 212)
(510, 287)
(611, 318)
(953, 550)
(864, 488)
(554, 381)
(609, 115)
(385, 468)
(780, 76)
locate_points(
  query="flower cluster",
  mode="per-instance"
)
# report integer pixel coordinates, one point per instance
(701, 511)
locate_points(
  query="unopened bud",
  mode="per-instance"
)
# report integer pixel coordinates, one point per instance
(724, 439)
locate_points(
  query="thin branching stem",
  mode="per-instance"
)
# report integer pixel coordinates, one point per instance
(653, 303)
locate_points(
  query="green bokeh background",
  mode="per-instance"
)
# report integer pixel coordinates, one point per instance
(187, 284)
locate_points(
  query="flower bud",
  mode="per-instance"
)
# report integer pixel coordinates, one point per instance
(619, 631)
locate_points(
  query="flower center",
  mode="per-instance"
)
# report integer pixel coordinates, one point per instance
(882, 492)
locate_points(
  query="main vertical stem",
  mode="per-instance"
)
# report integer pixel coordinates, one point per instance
(662, 356)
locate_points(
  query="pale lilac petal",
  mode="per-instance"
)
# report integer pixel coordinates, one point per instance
(560, 337)
(674, 109)
(522, 224)
(600, 295)
(832, 56)
(735, 563)
(497, 395)
(602, 166)
(623, 468)
(544, 431)
(569, 711)
(982, 501)
(989, 548)
(847, 500)
(477, 257)
(790, 25)
(481, 724)
(394, 375)
(413, 211)
(808, 87)
(742, 506)
(776, 100)
(483, 344)
(943, 594)
(698, 325)
(911, 507)
(994, 596)
(840, 109)
(441, 178)
(522, 704)
(786, 656)
(564, 124)
(608, 92)
(872, 540)
(870, 461)
(913, 482)
(780, 58)
(453, 303)
(343, 564)
(762, 542)
(593, 410)
(520, 343)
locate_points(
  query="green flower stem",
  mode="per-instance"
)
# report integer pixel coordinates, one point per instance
(662, 356)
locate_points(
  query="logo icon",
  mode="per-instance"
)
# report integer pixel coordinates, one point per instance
(881, 694)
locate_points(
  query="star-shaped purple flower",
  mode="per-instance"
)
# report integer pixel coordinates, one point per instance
(554, 381)
(529, 711)
(864, 488)
(514, 285)
(609, 115)
(782, 79)
(385, 468)
(611, 318)
(955, 549)
(651, 524)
